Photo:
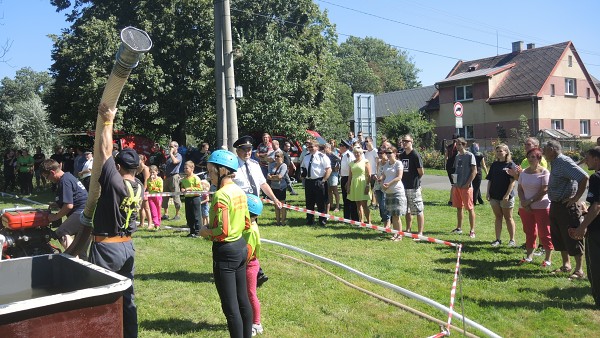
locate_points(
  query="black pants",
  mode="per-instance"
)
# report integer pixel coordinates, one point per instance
(229, 271)
(9, 182)
(86, 183)
(476, 189)
(350, 210)
(592, 260)
(26, 183)
(193, 214)
(315, 193)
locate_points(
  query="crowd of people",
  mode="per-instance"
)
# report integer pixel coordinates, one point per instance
(550, 188)
(386, 179)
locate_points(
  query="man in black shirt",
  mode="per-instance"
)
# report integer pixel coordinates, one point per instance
(38, 158)
(590, 227)
(71, 197)
(115, 215)
(411, 179)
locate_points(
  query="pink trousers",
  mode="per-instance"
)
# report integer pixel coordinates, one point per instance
(251, 273)
(536, 222)
(154, 202)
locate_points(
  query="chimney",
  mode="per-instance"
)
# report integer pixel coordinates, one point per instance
(517, 46)
(530, 45)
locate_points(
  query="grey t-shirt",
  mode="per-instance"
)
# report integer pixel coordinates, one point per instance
(462, 166)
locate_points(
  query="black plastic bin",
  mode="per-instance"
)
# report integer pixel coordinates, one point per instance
(59, 296)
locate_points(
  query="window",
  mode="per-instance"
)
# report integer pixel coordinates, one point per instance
(570, 88)
(570, 60)
(584, 127)
(552, 91)
(588, 93)
(465, 131)
(557, 124)
(463, 93)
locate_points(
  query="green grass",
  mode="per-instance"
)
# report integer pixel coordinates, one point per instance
(436, 172)
(176, 296)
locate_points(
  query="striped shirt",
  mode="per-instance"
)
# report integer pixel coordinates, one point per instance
(564, 175)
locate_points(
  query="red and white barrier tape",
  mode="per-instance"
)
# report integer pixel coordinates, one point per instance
(178, 193)
(362, 224)
(453, 291)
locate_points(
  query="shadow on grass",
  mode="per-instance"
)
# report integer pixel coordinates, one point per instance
(182, 276)
(175, 326)
(371, 235)
(557, 298)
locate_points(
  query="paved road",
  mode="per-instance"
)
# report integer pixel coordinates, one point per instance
(442, 183)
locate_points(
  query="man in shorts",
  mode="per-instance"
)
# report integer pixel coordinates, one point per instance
(465, 170)
(70, 199)
(411, 179)
(566, 186)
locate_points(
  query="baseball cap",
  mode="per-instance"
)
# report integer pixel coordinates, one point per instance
(128, 158)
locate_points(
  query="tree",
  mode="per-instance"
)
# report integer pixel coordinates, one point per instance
(284, 62)
(370, 65)
(28, 125)
(286, 66)
(412, 122)
(23, 117)
(166, 95)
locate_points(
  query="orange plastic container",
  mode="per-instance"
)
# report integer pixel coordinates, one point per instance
(19, 220)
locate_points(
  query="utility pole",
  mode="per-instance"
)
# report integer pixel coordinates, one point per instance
(232, 125)
(219, 79)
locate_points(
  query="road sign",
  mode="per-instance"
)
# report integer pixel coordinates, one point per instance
(458, 109)
(458, 122)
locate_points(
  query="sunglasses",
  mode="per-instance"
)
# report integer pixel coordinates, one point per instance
(277, 156)
(406, 141)
(389, 152)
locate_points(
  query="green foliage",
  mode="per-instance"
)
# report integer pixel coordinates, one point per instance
(432, 158)
(523, 132)
(413, 123)
(24, 120)
(370, 65)
(284, 61)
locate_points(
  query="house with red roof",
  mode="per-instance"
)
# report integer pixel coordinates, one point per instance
(549, 85)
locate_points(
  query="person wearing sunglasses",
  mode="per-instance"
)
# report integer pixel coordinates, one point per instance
(411, 179)
(395, 198)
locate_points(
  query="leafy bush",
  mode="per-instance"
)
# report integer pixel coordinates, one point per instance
(432, 158)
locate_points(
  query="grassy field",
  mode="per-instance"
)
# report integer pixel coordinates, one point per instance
(176, 296)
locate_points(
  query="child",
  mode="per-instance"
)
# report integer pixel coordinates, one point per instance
(191, 184)
(252, 237)
(155, 185)
(228, 218)
(204, 201)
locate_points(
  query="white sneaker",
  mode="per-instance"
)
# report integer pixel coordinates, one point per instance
(256, 329)
(512, 243)
(496, 243)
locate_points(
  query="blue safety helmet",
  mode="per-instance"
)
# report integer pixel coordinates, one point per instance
(224, 158)
(255, 205)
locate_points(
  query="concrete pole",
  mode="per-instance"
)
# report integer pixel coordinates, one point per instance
(219, 80)
(232, 125)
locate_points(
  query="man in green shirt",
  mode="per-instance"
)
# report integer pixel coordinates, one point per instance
(25, 169)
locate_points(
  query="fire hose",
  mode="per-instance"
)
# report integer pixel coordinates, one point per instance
(134, 43)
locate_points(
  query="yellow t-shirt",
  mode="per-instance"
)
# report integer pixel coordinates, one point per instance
(543, 163)
(228, 214)
(155, 185)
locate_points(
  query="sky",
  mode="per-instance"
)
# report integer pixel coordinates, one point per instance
(435, 34)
